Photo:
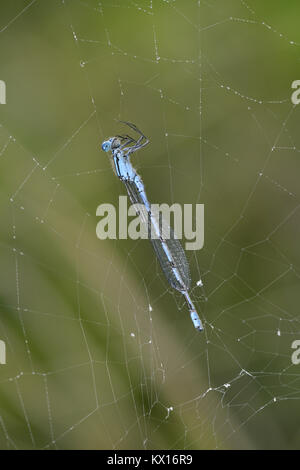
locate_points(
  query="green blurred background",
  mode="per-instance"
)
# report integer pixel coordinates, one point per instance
(89, 363)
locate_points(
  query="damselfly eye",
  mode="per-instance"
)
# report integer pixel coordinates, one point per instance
(106, 146)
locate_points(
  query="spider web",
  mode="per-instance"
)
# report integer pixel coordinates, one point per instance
(101, 352)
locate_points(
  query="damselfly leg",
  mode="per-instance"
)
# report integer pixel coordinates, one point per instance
(142, 140)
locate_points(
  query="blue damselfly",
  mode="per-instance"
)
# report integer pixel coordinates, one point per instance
(167, 248)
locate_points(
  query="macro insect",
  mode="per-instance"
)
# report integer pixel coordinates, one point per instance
(167, 248)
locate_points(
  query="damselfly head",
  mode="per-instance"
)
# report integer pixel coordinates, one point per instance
(111, 144)
(106, 145)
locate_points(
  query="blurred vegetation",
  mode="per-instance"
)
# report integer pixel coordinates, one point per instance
(88, 364)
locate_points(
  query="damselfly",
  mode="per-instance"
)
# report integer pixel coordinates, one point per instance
(167, 248)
